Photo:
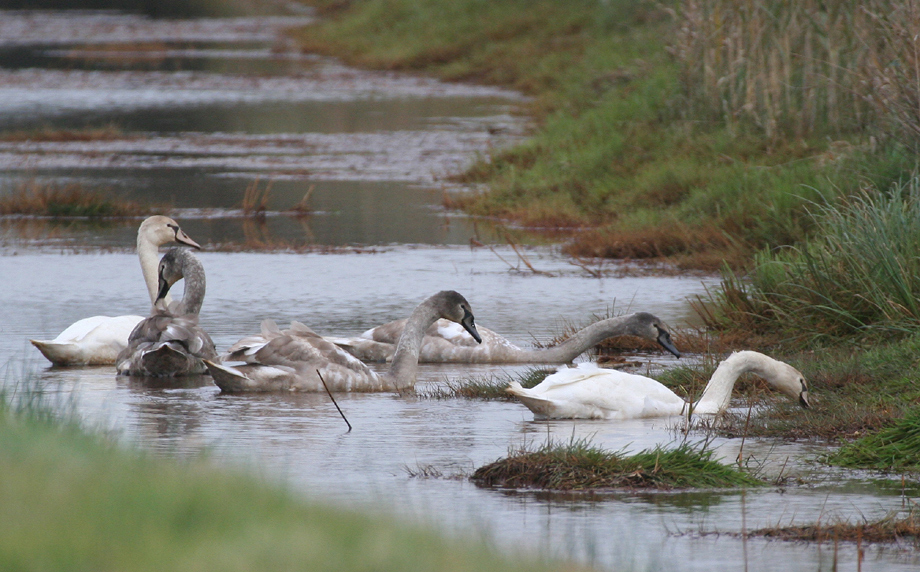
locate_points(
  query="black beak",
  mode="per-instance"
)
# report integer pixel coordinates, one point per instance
(163, 288)
(664, 338)
(470, 326)
(803, 400)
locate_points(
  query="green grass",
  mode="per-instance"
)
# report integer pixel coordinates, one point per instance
(894, 449)
(73, 501)
(580, 466)
(854, 392)
(858, 278)
(488, 387)
(617, 147)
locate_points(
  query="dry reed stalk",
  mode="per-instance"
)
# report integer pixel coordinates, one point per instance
(787, 68)
(255, 199)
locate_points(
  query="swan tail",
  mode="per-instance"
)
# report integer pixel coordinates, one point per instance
(542, 408)
(228, 379)
(72, 354)
(167, 361)
(515, 388)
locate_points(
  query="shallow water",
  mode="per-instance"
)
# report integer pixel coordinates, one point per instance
(302, 440)
(376, 193)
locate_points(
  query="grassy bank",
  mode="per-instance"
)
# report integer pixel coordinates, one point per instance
(73, 501)
(628, 142)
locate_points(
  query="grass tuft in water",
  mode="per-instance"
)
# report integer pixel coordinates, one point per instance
(895, 527)
(895, 448)
(67, 201)
(580, 466)
(488, 387)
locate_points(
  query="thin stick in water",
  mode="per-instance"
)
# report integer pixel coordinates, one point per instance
(329, 393)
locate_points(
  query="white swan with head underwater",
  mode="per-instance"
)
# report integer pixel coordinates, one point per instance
(294, 359)
(445, 342)
(170, 342)
(99, 339)
(590, 392)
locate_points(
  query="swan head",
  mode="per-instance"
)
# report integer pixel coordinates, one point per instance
(652, 327)
(173, 267)
(161, 229)
(782, 376)
(454, 307)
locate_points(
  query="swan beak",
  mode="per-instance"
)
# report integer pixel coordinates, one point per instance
(803, 400)
(470, 326)
(185, 239)
(163, 288)
(664, 338)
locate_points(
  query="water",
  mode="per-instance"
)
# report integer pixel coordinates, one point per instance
(374, 189)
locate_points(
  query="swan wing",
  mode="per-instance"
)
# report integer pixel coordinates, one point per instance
(596, 393)
(166, 345)
(444, 342)
(99, 329)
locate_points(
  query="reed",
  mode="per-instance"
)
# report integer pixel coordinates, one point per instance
(860, 276)
(784, 68)
(67, 201)
(579, 466)
(255, 199)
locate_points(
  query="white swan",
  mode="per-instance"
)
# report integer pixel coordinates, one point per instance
(288, 360)
(590, 392)
(445, 342)
(99, 339)
(170, 343)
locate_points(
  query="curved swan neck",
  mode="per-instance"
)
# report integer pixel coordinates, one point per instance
(718, 393)
(404, 369)
(148, 253)
(193, 294)
(582, 340)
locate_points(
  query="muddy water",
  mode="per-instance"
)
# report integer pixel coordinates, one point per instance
(200, 128)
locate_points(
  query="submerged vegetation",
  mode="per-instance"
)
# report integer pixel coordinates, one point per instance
(580, 466)
(896, 527)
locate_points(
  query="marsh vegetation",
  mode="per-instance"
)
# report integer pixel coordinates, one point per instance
(578, 465)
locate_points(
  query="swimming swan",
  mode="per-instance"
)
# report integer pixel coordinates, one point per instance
(446, 343)
(288, 360)
(99, 339)
(170, 343)
(590, 392)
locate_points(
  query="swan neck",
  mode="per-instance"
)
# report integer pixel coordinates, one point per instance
(148, 253)
(718, 392)
(404, 369)
(580, 341)
(193, 293)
